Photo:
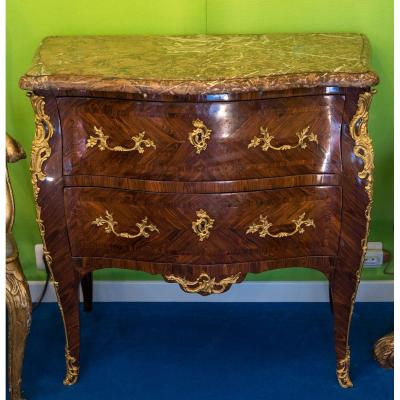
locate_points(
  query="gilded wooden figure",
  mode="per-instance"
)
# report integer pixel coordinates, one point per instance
(18, 297)
(384, 351)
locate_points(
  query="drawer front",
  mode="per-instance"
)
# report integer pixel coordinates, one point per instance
(203, 228)
(201, 141)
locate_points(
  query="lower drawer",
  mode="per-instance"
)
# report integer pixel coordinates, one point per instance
(203, 228)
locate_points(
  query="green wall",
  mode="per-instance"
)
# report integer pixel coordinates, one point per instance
(29, 21)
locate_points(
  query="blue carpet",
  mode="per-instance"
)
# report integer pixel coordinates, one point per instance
(191, 351)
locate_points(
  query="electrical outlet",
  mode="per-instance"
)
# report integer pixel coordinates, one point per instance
(39, 257)
(374, 255)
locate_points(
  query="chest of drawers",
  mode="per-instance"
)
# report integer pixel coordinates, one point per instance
(202, 159)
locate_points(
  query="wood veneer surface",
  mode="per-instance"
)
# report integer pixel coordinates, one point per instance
(235, 85)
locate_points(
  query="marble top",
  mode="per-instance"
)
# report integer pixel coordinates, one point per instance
(200, 64)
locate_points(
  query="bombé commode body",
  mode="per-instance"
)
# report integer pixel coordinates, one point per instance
(203, 158)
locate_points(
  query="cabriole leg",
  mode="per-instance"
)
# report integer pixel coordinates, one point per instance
(87, 291)
(68, 301)
(344, 288)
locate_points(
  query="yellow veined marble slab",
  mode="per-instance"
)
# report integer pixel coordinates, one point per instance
(201, 63)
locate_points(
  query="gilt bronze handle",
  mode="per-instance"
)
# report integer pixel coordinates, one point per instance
(109, 226)
(100, 140)
(265, 140)
(262, 227)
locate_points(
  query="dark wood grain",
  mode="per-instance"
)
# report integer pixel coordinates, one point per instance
(247, 185)
(66, 279)
(345, 280)
(196, 98)
(87, 291)
(228, 242)
(323, 264)
(234, 184)
(227, 156)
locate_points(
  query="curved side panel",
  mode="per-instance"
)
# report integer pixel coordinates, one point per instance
(46, 170)
(357, 202)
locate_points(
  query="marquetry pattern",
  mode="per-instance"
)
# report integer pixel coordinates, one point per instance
(203, 236)
(215, 148)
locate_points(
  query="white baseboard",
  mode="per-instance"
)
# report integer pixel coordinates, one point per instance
(284, 291)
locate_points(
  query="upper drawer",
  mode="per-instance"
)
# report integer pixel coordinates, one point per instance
(201, 141)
